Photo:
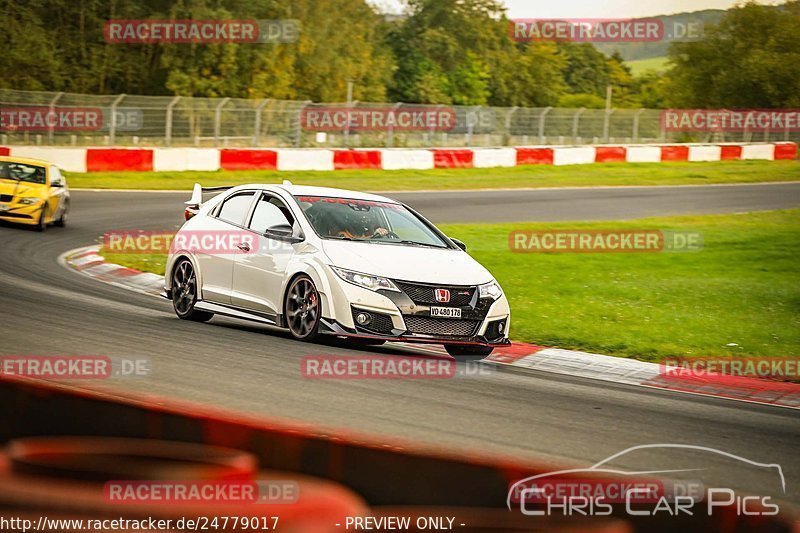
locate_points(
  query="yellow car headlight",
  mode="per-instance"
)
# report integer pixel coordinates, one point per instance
(29, 201)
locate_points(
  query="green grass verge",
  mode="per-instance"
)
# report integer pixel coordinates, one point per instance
(656, 64)
(609, 174)
(743, 288)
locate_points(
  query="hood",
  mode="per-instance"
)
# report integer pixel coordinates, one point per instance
(407, 263)
(24, 189)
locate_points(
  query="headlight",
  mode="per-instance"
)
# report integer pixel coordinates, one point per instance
(372, 283)
(490, 290)
(29, 201)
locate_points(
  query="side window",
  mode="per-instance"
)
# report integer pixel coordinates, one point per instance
(56, 179)
(235, 208)
(270, 212)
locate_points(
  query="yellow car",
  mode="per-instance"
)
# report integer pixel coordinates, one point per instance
(32, 192)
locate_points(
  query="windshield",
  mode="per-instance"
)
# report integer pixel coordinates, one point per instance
(22, 172)
(366, 220)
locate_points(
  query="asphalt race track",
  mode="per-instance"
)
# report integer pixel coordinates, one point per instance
(48, 310)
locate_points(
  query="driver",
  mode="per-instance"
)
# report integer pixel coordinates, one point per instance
(365, 230)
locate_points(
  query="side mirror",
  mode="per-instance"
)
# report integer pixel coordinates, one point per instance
(57, 184)
(459, 244)
(284, 232)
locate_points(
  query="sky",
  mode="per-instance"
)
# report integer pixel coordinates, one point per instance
(597, 8)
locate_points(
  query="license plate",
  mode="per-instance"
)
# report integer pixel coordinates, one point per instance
(446, 312)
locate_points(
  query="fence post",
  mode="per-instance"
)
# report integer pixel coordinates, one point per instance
(390, 127)
(606, 122)
(298, 134)
(576, 124)
(635, 135)
(112, 132)
(350, 105)
(541, 124)
(508, 124)
(257, 125)
(168, 125)
(51, 127)
(218, 119)
(433, 126)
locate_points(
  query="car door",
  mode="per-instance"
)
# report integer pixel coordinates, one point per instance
(258, 275)
(216, 265)
(57, 193)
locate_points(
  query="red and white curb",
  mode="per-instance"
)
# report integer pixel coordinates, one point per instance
(91, 159)
(87, 261)
(518, 356)
(641, 373)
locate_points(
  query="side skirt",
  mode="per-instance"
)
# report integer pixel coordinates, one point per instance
(238, 312)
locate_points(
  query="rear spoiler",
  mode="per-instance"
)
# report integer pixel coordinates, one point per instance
(196, 201)
(197, 194)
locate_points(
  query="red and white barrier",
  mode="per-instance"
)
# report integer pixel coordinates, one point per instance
(69, 159)
(758, 151)
(182, 159)
(643, 154)
(302, 159)
(494, 157)
(574, 155)
(298, 159)
(402, 159)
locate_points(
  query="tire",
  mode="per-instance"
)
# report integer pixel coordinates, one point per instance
(468, 352)
(62, 220)
(301, 309)
(184, 293)
(42, 224)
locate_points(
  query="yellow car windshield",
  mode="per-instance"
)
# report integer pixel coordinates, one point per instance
(22, 172)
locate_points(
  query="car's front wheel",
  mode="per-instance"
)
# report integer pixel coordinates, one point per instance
(41, 225)
(468, 351)
(302, 309)
(184, 293)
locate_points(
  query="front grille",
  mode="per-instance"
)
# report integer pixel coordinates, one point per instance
(426, 294)
(6, 198)
(380, 324)
(440, 326)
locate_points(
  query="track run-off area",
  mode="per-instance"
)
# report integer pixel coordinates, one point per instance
(49, 310)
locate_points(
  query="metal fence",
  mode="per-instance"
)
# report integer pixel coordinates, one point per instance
(130, 120)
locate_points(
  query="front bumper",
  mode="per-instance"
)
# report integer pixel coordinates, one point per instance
(21, 214)
(406, 316)
(331, 327)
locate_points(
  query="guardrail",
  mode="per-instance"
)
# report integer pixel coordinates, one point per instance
(165, 121)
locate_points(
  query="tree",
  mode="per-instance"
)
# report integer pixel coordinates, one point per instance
(749, 60)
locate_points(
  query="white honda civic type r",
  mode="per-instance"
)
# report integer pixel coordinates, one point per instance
(321, 261)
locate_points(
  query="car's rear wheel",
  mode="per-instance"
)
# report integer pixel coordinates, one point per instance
(62, 220)
(184, 293)
(468, 352)
(302, 309)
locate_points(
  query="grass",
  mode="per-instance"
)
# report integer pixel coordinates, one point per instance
(533, 176)
(742, 288)
(640, 66)
(739, 295)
